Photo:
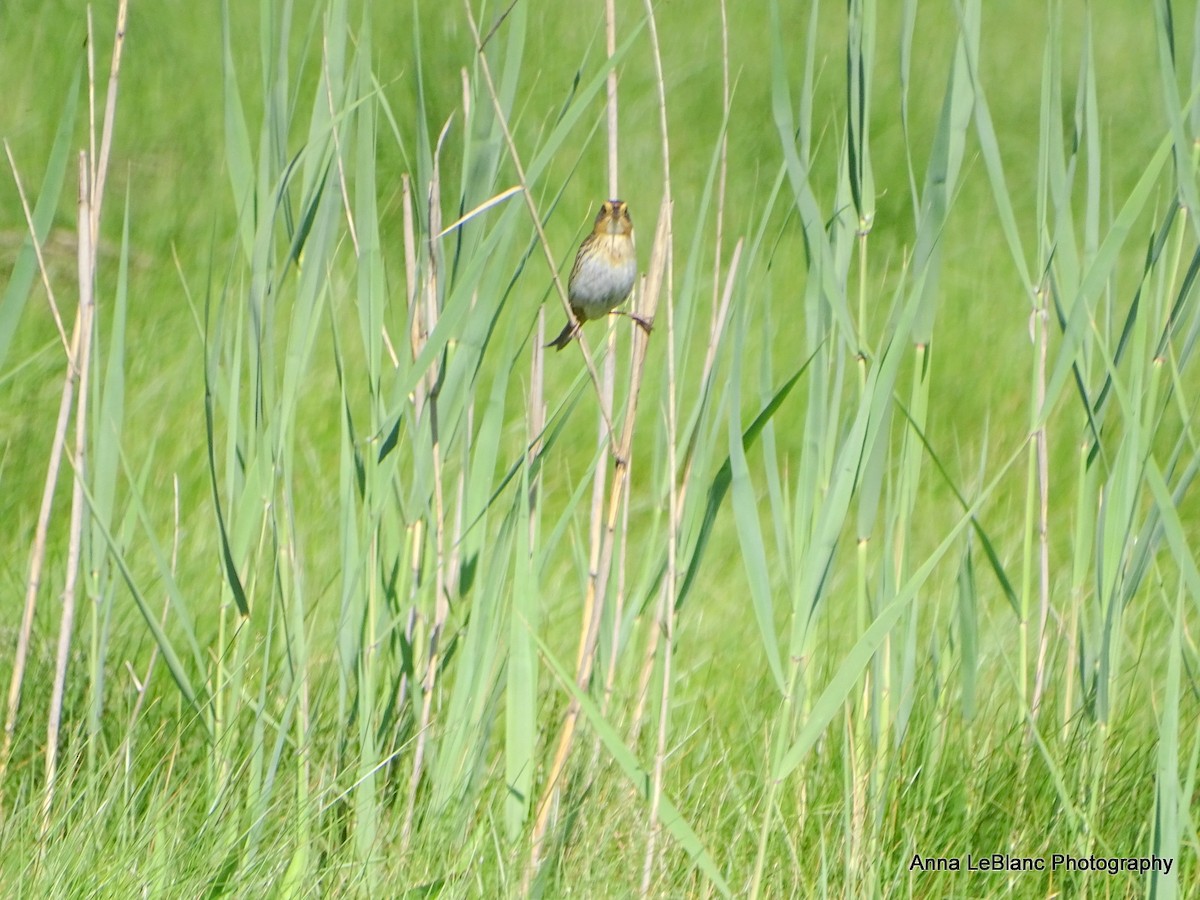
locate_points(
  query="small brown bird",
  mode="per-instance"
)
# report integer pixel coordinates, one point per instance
(604, 271)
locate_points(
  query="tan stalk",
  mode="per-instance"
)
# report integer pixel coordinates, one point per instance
(37, 555)
(596, 517)
(610, 46)
(416, 530)
(37, 250)
(1041, 439)
(651, 287)
(410, 266)
(593, 610)
(79, 367)
(100, 164)
(93, 170)
(666, 611)
(441, 610)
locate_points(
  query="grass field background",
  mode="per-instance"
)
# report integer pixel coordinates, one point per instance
(896, 558)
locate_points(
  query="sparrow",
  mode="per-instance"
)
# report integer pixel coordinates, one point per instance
(604, 271)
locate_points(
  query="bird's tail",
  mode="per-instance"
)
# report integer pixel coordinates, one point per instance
(565, 336)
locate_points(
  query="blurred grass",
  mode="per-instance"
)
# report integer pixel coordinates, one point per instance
(950, 775)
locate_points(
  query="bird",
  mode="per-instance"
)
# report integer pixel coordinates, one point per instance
(604, 271)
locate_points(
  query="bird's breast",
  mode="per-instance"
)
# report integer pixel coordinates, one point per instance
(604, 278)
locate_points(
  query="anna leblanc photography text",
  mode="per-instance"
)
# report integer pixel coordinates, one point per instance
(1065, 862)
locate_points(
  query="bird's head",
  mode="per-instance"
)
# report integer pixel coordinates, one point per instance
(613, 218)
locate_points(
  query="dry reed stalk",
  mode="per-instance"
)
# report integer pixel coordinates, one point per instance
(93, 172)
(441, 610)
(79, 371)
(37, 555)
(651, 288)
(666, 611)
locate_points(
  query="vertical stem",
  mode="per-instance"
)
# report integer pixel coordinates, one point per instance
(1043, 472)
(666, 612)
(1034, 519)
(38, 553)
(441, 611)
(79, 372)
(610, 45)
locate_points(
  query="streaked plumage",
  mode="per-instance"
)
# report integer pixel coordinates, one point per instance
(604, 271)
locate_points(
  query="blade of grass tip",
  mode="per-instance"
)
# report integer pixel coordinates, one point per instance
(16, 292)
(229, 566)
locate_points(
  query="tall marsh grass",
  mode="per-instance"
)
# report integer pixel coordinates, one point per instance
(881, 545)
